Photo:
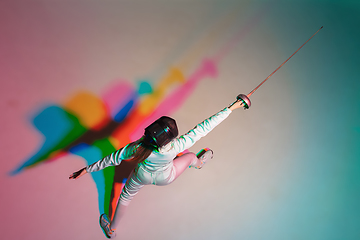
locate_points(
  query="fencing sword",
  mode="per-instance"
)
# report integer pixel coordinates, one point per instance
(245, 98)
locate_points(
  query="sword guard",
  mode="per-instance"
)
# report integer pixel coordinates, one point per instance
(246, 101)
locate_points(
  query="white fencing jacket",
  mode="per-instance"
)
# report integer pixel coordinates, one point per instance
(164, 156)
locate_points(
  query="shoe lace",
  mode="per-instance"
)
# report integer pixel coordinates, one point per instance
(107, 227)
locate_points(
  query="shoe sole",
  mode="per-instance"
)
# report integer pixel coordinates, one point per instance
(206, 154)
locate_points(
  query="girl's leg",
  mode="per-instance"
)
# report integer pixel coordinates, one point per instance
(184, 161)
(119, 213)
(131, 188)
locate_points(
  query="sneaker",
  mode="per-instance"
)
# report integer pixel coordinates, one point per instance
(105, 225)
(204, 155)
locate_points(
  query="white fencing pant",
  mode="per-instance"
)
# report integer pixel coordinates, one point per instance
(141, 177)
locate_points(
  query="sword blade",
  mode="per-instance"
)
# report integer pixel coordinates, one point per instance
(282, 64)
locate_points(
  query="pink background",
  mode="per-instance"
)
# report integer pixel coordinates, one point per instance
(288, 168)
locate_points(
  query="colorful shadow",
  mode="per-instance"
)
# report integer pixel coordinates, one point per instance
(93, 127)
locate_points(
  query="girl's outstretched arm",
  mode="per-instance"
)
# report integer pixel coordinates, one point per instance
(236, 105)
(78, 174)
(202, 129)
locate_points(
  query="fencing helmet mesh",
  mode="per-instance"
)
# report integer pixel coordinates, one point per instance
(161, 132)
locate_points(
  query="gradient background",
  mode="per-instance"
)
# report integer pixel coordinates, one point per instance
(288, 168)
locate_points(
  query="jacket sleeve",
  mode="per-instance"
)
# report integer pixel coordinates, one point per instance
(202, 129)
(113, 159)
